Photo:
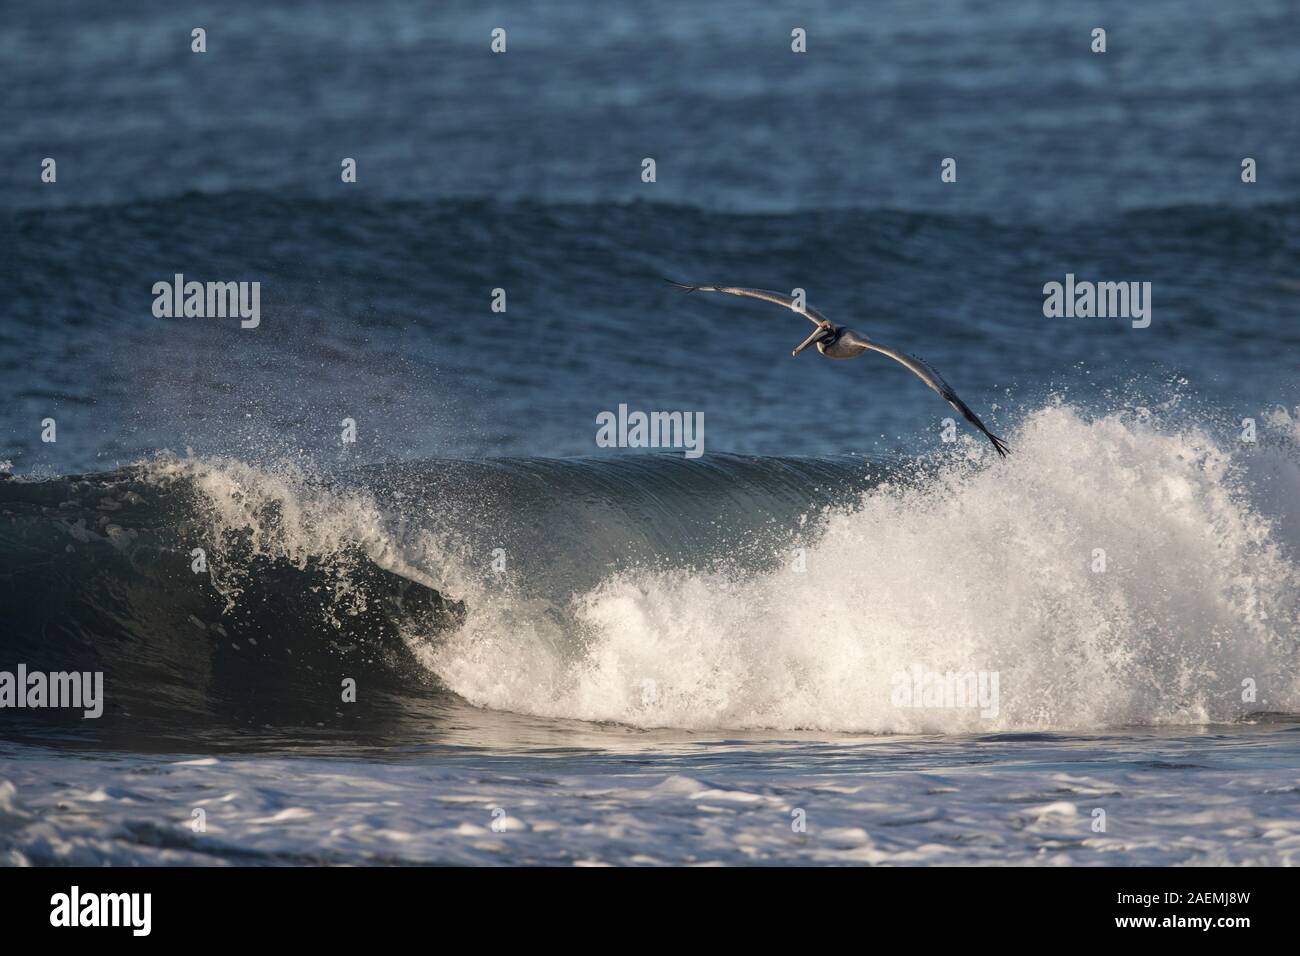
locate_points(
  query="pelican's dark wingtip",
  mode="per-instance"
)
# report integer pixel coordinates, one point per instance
(681, 285)
(1000, 445)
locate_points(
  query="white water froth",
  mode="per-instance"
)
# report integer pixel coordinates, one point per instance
(983, 570)
(287, 514)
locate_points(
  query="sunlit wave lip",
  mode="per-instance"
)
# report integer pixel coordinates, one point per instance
(1119, 571)
(1115, 573)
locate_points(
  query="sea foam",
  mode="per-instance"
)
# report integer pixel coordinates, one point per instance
(1110, 572)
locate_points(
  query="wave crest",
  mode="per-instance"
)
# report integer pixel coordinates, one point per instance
(1109, 573)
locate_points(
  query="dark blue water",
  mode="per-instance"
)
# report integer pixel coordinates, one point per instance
(522, 172)
(1038, 123)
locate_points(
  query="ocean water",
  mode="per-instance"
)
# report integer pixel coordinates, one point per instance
(570, 654)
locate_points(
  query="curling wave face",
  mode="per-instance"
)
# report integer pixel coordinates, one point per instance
(1114, 571)
(1109, 574)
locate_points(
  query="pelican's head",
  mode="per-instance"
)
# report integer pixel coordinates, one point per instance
(820, 338)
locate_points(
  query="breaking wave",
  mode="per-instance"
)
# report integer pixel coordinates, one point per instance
(1116, 570)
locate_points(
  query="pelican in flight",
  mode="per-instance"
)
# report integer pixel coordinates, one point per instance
(837, 342)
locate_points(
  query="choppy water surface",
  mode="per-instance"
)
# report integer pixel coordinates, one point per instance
(619, 656)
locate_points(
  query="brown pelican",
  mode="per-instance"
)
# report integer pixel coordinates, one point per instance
(837, 342)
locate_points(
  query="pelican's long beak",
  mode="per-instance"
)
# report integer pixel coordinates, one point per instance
(815, 337)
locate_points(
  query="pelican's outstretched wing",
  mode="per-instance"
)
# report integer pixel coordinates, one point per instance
(777, 298)
(928, 374)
